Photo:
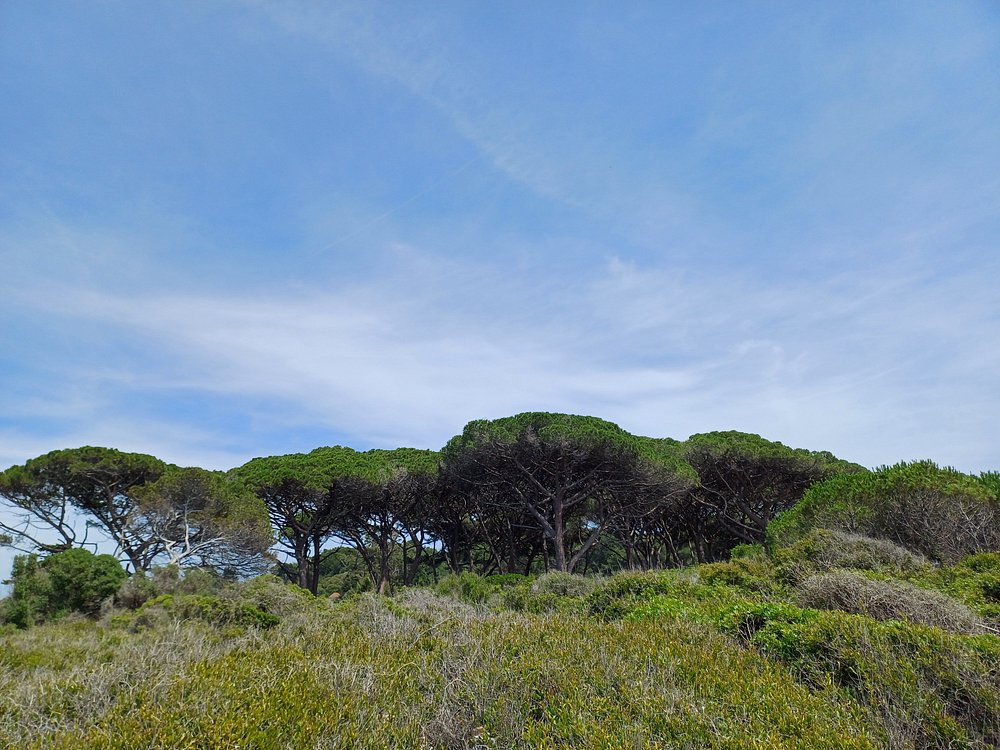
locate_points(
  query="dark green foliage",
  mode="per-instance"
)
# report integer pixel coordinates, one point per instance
(31, 593)
(70, 581)
(935, 511)
(81, 580)
(743, 482)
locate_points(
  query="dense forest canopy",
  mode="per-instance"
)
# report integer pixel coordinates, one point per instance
(528, 493)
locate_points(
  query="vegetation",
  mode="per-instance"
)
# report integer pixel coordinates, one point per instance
(70, 581)
(936, 511)
(738, 594)
(152, 512)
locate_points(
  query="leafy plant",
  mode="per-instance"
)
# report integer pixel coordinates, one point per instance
(71, 581)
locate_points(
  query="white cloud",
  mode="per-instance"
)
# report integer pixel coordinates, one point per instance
(854, 365)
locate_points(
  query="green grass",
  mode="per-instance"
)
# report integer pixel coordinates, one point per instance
(717, 656)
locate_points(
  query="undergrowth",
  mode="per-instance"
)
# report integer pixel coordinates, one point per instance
(715, 656)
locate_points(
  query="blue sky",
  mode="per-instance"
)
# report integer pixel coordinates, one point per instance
(232, 229)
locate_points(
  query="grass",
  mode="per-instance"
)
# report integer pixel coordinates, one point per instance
(717, 656)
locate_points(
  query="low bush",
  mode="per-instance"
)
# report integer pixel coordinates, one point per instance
(752, 575)
(168, 579)
(975, 581)
(74, 580)
(931, 689)
(271, 595)
(468, 587)
(825, 549)
(210, 609)
(503, 680)
(631, 594)
(564, 584)
(851, 592)
(506, 580)
(747, 551)
(616, 595)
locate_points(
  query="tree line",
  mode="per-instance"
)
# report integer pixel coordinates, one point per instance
(535, 491)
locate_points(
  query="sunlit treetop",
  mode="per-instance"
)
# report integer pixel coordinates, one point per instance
(320, 467)
(749, 444)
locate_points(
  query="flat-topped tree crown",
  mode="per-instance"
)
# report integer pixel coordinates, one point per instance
(745, 480)
(547, 426)
(314, 470)
(295, 489)
(155, 512)
(337, 492)
(750, 444)
(52, 492)
(568, 473)
(318, 469)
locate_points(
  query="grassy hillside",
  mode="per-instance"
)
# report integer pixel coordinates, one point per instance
(755, 653)
(832, 635)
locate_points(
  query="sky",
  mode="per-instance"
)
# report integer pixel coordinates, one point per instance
(233, 229)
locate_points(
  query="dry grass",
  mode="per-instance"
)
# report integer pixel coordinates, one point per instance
(848, 591)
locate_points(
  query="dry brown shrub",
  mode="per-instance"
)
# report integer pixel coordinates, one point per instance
(851, 592)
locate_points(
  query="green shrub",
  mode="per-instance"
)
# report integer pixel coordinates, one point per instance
(619, 596)
(931, 689)
(564, 584)
(614, 597)
(506, 580)
(975, 581)
(468, 587)
(168, 579)
(31, 593)
(936, 511)
(851, 592)
(524, 599)
(210, 609)
(74, 580)
(271, 595)
(748, 551)
(748, 574)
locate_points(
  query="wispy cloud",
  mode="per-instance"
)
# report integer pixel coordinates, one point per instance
(677, 227)
(854, 365)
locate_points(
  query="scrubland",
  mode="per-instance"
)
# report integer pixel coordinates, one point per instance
(837, 641)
